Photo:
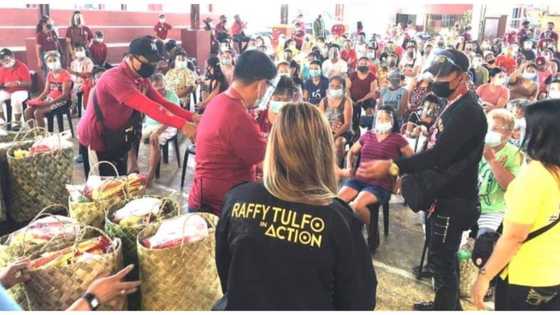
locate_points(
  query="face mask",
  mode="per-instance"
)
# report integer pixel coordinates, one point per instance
(529, 75)
(554, 94)
(49, 26)
(337, 93)
(493, 139)
(80, 54)
(363, 69)
(78, 20)
(441, 89)
(276, 106)
(500, 81)
(180, 64)
(284, 73)
(53, 66)
(99, 40)
(10, 64)
(383, 127)
(371, 55)
(476, 63)
(528, 46)
(395, 82)
(162, 21)
(146, 70)
(315, 73)
(226, 61)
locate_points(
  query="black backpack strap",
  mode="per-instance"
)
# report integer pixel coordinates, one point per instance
(542, 230)
(98, 114)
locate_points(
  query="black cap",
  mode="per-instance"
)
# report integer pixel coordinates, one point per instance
(448, 61)
(6, 53)
(146, 47)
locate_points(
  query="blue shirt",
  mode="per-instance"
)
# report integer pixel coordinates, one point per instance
(6, 301)
(316, 92)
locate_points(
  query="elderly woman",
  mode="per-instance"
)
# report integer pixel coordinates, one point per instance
(525, 259)
(293, 213)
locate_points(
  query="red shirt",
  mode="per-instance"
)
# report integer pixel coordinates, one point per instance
(120, 92)
(360, 88)
(19, 72)
(237, 28)
(228, 145)
(507, 63)
(56, 81)
(388, 149)
(79, 35)
(48, 41)
(491, 94)
(350, 57)
(98, 52)
(162, 29)
(338, 29)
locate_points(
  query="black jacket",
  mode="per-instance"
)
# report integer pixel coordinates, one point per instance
(462, 128)
(277, 255)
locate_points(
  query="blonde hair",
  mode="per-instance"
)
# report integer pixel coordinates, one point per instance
(504, 115)
(299, 164)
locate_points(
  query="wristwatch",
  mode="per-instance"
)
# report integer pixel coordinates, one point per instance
(92, 300)
(394, 170)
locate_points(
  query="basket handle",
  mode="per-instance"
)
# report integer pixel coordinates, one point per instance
(96, 166)
(44, 131)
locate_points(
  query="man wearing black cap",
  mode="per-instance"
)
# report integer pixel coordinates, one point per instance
(112, 120)
(458, 135)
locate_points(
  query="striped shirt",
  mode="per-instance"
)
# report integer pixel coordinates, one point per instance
(388, 149)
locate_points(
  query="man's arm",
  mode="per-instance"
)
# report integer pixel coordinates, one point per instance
(171, 107)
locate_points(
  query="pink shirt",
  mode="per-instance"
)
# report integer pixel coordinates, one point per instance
(388, 149)
(229, 144)
(120, 91)
(487, 93)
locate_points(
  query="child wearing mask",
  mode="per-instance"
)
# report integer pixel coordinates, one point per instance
(98, 51)
(81, 70)
(315, 88)
(56, 93)
(384, 142)
(337, 107)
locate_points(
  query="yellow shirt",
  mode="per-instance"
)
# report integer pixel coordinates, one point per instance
(533, 197)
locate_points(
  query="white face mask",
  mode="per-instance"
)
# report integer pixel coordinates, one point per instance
(337, 93)
(180, 64)
(383, 127)
(276, 106)
(99, 40)
(528, 46)
(162, 21)
(53, 66)
(80, 54)
(500, 81)
(529, 75)
(10, 64)
(493, 139)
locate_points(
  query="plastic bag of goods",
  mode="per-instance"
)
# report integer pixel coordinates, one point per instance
(178, 231)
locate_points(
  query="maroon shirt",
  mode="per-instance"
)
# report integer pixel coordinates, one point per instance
(161, 30)
(388, 149)
(48, 41)
(229, 144)
(98, 52)
(79, 35)
(360, 88)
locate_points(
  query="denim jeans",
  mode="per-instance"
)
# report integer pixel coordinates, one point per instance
(447, 223)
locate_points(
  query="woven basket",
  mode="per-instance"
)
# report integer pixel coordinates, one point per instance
(37, 181)
(92, 213)
(181, 278)
(58, 287)
(13, 248)
(6, 142)
(128, 236)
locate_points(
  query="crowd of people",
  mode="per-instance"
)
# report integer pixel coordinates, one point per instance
(296, 141)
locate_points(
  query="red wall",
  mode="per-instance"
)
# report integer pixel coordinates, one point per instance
(119, 27)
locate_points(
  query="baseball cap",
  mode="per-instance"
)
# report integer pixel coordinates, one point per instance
(448, 61)
(146, 47)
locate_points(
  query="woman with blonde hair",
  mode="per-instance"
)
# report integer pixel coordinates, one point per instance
(288, 243)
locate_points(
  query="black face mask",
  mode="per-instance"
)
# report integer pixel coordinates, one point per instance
(441, 89)
(363, 69)
(146, 70)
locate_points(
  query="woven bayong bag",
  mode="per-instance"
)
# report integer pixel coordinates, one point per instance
(37, 181)
(128, 235)
(57, 287)
(14, 247)
(181, 278)
(92, 213)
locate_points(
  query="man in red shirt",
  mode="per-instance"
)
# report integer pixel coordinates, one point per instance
(507, 61)
(162, 28)
(114, 107)
(229, 142)
(15, 82)
(98, 50)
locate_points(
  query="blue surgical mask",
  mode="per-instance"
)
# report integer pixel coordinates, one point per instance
(315, 73)
(276, 106)
(337, 93)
